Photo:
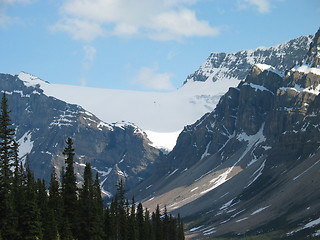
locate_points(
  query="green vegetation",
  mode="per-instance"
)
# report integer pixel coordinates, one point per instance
(64, 211)
(266, 236)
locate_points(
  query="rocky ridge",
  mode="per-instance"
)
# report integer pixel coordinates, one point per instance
(251, 165)
(119, 150)
(238, 65)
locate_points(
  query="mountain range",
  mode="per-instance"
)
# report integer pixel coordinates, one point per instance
(163, 115)
(234, 150)
(44, 123)
(251, 166)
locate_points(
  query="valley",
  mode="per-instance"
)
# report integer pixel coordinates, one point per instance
(235, 150)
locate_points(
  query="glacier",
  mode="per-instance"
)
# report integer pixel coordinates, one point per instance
(161, 115)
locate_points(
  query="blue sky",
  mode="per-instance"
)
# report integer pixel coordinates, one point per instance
(148, 45)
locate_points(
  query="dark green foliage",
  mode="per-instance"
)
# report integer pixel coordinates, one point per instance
(97, 231)
(30, 220)
(69, 190)
(64, 212)
(138, 225)
(140, 219)
(55, 209)
(91, 207)
(8, 149)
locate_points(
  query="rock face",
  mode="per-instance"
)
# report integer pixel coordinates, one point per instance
(313, 58)
(43, 124)
(252, 165)
(238, 65)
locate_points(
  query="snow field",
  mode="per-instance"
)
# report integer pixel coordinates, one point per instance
(161, 115)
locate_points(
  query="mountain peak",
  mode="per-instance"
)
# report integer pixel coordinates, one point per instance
(30, 80)
(313, 57)
(238, 65)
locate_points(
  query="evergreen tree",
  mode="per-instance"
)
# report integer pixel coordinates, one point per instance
(91, 208)
(132, 223)
(8, 150)
(86, 204)
(180, 230)
(8, 147)
(166, 225)
(69, 191)
(108, 224)
(98, 207)
(55, 208)
(121, 220)
(148, 230)
(140, 223)
(49, 226)
(30, 220)
(157, 224)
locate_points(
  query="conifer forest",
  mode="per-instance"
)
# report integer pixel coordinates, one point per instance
(64, 211)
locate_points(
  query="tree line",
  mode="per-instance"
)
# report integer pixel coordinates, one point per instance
(63, 211)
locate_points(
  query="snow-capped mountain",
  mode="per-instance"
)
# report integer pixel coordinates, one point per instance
(251, 166)
(162, 116)
(46, 114)
(44, 123)
(238, 65)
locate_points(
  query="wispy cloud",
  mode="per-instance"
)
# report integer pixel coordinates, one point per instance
(88, 60)
(263, 6)
(160, 20)
(5, 19)
(173, 25)
(79, 29)
(90, 55)
(150, 78)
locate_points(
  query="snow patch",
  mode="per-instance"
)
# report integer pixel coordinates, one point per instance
(206, 153)
(299, 89)
(242, 219)
(217, 181)
(196, 228)
(253, 140)
(295, 178)
(308, 225)
(209, 231)
(306, 69)
(258, 87)
(163, 140)
(30, 80)
(173, 172)
(226, 205)
(258, 173)
(265, 67)
(260, 210)
(25, 144)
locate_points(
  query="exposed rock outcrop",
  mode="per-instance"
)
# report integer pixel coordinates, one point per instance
(250, 166)
(43, 124)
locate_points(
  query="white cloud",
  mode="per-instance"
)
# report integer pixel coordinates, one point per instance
(173, 25)
(5, 19)
(149, 78)
(89, 56)
(263, 6)
(162, 20)
(79, 29)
